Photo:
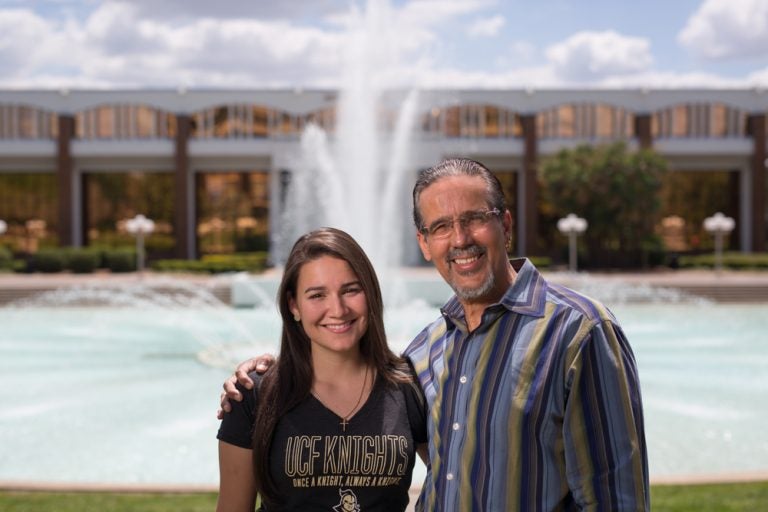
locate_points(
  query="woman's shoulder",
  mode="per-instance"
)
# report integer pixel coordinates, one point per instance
(403, 379)
(412, 399)
(257, 378)
(251, 395)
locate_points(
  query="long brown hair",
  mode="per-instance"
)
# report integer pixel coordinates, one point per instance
(289, 381)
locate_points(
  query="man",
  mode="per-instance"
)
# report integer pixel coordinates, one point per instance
(532, 389)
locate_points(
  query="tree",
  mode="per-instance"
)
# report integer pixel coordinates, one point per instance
(616, 191)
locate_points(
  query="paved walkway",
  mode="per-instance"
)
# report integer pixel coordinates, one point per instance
(727, 286)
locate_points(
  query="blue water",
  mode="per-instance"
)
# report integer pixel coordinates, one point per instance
(116, 395)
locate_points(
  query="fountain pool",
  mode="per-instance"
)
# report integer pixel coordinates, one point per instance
(127, 395)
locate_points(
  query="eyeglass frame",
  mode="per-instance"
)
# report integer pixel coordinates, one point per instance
(463, 222)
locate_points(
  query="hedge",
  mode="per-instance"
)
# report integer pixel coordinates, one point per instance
(48, 261)
(215, 263)
(731, 260)
(82, 261)
(6, 258)
(119, 260)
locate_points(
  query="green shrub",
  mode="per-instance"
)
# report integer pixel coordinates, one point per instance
(159, 242)
(178, 266)
(731, 260)
(617, 190)
(215, 263)
(6, 258)
(541, 262)
(49, 260)
(120, 260)
(253, 261)
(252, 243)
(82, 261)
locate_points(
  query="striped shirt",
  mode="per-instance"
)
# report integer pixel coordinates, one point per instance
(537, 409)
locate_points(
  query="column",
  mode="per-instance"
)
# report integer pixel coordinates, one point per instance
(183, 211)
(64, 174)
(756, 127)
(528, 190)
(643, 131)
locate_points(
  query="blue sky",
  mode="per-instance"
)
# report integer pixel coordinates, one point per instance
(429, 43)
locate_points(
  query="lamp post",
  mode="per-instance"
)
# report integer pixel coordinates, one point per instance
(573, 226)
(719, 225)
(140, 226)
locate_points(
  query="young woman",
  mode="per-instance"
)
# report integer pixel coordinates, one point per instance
(335, 423)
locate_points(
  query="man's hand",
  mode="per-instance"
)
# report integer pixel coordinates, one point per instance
(258, 364)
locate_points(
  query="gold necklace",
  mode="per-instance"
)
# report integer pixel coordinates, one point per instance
(345, 419)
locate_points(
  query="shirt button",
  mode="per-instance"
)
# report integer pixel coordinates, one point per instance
(463, 379)
(449, 476)
(456, 426)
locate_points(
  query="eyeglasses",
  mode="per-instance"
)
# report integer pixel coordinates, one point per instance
(473, 220)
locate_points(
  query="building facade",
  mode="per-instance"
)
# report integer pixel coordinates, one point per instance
(211, 167)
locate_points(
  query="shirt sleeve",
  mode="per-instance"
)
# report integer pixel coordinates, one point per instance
(237, 425)
(603, 432)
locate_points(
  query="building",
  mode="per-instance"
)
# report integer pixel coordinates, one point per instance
(211, 166)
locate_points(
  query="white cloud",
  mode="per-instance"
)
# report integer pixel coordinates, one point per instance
(486, 27)
(722, 29)
(32, 46)
(521, 77)
(232, 9)
(545, 76)
(115, 47)
(758, 79)
(116, 28)
(669, 80)
(590, 56)
(433, 13)
(116, 43)
(19, 32)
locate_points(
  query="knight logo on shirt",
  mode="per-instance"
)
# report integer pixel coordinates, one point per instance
(347, 502)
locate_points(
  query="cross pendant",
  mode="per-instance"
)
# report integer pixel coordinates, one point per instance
(343, 424)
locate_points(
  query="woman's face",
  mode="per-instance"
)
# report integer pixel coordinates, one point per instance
(331, 305)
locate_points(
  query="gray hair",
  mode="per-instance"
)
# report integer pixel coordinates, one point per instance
(457, 167)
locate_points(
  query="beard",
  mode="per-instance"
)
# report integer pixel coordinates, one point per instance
(471, 294)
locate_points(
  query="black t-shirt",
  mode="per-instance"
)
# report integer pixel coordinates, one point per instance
(317, 466)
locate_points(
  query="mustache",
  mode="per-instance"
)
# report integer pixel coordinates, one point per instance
(465, 252)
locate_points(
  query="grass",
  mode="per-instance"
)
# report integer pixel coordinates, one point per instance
(731, 497)
(26, 501)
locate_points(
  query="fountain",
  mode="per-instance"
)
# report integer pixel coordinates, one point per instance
(133, 372)
(358, 180)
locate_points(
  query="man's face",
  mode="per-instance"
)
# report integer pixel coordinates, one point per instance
(473, 262)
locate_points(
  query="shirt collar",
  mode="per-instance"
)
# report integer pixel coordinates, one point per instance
(526, 295)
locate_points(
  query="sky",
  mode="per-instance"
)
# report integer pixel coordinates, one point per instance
(235, 44)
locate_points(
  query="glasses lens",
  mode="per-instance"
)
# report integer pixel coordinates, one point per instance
(441, 229)
(474, 221)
